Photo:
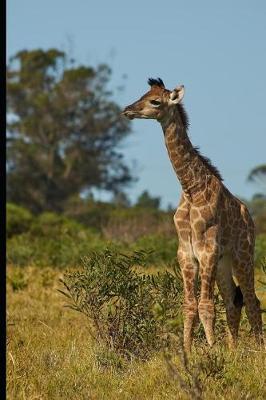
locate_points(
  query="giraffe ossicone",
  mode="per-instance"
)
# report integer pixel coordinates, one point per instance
(215, 230)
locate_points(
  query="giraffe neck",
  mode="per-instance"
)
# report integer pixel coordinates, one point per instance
(187, 163)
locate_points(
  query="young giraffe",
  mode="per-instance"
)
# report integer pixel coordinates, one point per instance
(215, 230)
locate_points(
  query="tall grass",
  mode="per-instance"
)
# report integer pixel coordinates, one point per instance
(50, 354)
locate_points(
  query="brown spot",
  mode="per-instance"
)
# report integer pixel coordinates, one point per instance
(206, 213)
(180, 224)
(199, 225)
(183, 234)
(181, 214)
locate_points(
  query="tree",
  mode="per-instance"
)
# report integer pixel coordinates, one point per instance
(120, 199)
(258, 175)
(145, 200)
(63, 131)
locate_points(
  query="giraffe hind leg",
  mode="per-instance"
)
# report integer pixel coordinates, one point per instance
(232, 298)
(244, 273)
(238, 299)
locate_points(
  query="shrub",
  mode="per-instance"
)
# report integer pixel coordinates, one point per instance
(90, 213)
(122, 305)
(17, 280)
(130, 224)
(18, 219)
(52, 240)
(55, 226)
(162, 248)
(260, 248)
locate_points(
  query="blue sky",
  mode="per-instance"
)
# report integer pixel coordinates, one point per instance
(217, 49)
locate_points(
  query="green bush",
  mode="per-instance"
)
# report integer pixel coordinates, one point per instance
(56, 240)
(52, 240)
(18, 220)
(260, 249)
(90, 213)
(128, 311)
(162, 248)
(52, 225)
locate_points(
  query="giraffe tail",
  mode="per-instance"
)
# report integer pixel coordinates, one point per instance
(238, 299)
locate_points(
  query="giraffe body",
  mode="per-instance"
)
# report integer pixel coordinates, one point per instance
(215, 230)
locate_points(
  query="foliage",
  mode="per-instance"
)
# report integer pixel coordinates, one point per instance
(162, 249)
(58, 240)
(260, 248)
(18, 219)
(94, 214)
(119, 302)
(145, 200)
(258, 174)
(63, 130)
(53, 225)
(257, 207)
(130, 224)
(52, 240)
(18, 280)
(120, 199)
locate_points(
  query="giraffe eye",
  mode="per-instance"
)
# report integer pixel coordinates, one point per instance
(155, 102)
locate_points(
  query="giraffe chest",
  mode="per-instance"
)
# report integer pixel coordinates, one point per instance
(197, 228)
(201, 219)
(209, 231)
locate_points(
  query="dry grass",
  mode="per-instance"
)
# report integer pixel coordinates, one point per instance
(50, 355)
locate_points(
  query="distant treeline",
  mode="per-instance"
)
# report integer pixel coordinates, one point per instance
(50, 239)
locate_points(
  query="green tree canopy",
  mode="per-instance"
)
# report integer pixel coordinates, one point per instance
(63, 130)
(258, 175)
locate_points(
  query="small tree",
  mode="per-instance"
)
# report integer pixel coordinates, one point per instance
(128, 311)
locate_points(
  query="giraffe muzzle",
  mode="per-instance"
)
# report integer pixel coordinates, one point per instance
(128, 113)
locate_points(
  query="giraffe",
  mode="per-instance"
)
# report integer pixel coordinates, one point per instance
(215, 230)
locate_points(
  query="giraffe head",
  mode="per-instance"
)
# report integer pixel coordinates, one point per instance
(157, 103)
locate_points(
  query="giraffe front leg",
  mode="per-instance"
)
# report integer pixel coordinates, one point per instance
(208, 263)
(189, 270)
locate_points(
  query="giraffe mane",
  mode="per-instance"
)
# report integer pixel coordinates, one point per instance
(156, 82)
(206, 161)
(183, 115)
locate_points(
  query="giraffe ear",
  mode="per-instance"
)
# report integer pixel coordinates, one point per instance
(177, 94)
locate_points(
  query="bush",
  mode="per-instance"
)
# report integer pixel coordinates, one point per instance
(162, 248)
(130, 224)
(52, 240)
(56, 240)
(90, 213)
(260, 249)
(18, 219)
(18, 280)
(55, 226)
(128, 311)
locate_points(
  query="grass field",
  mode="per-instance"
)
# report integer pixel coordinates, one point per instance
(50, 355)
